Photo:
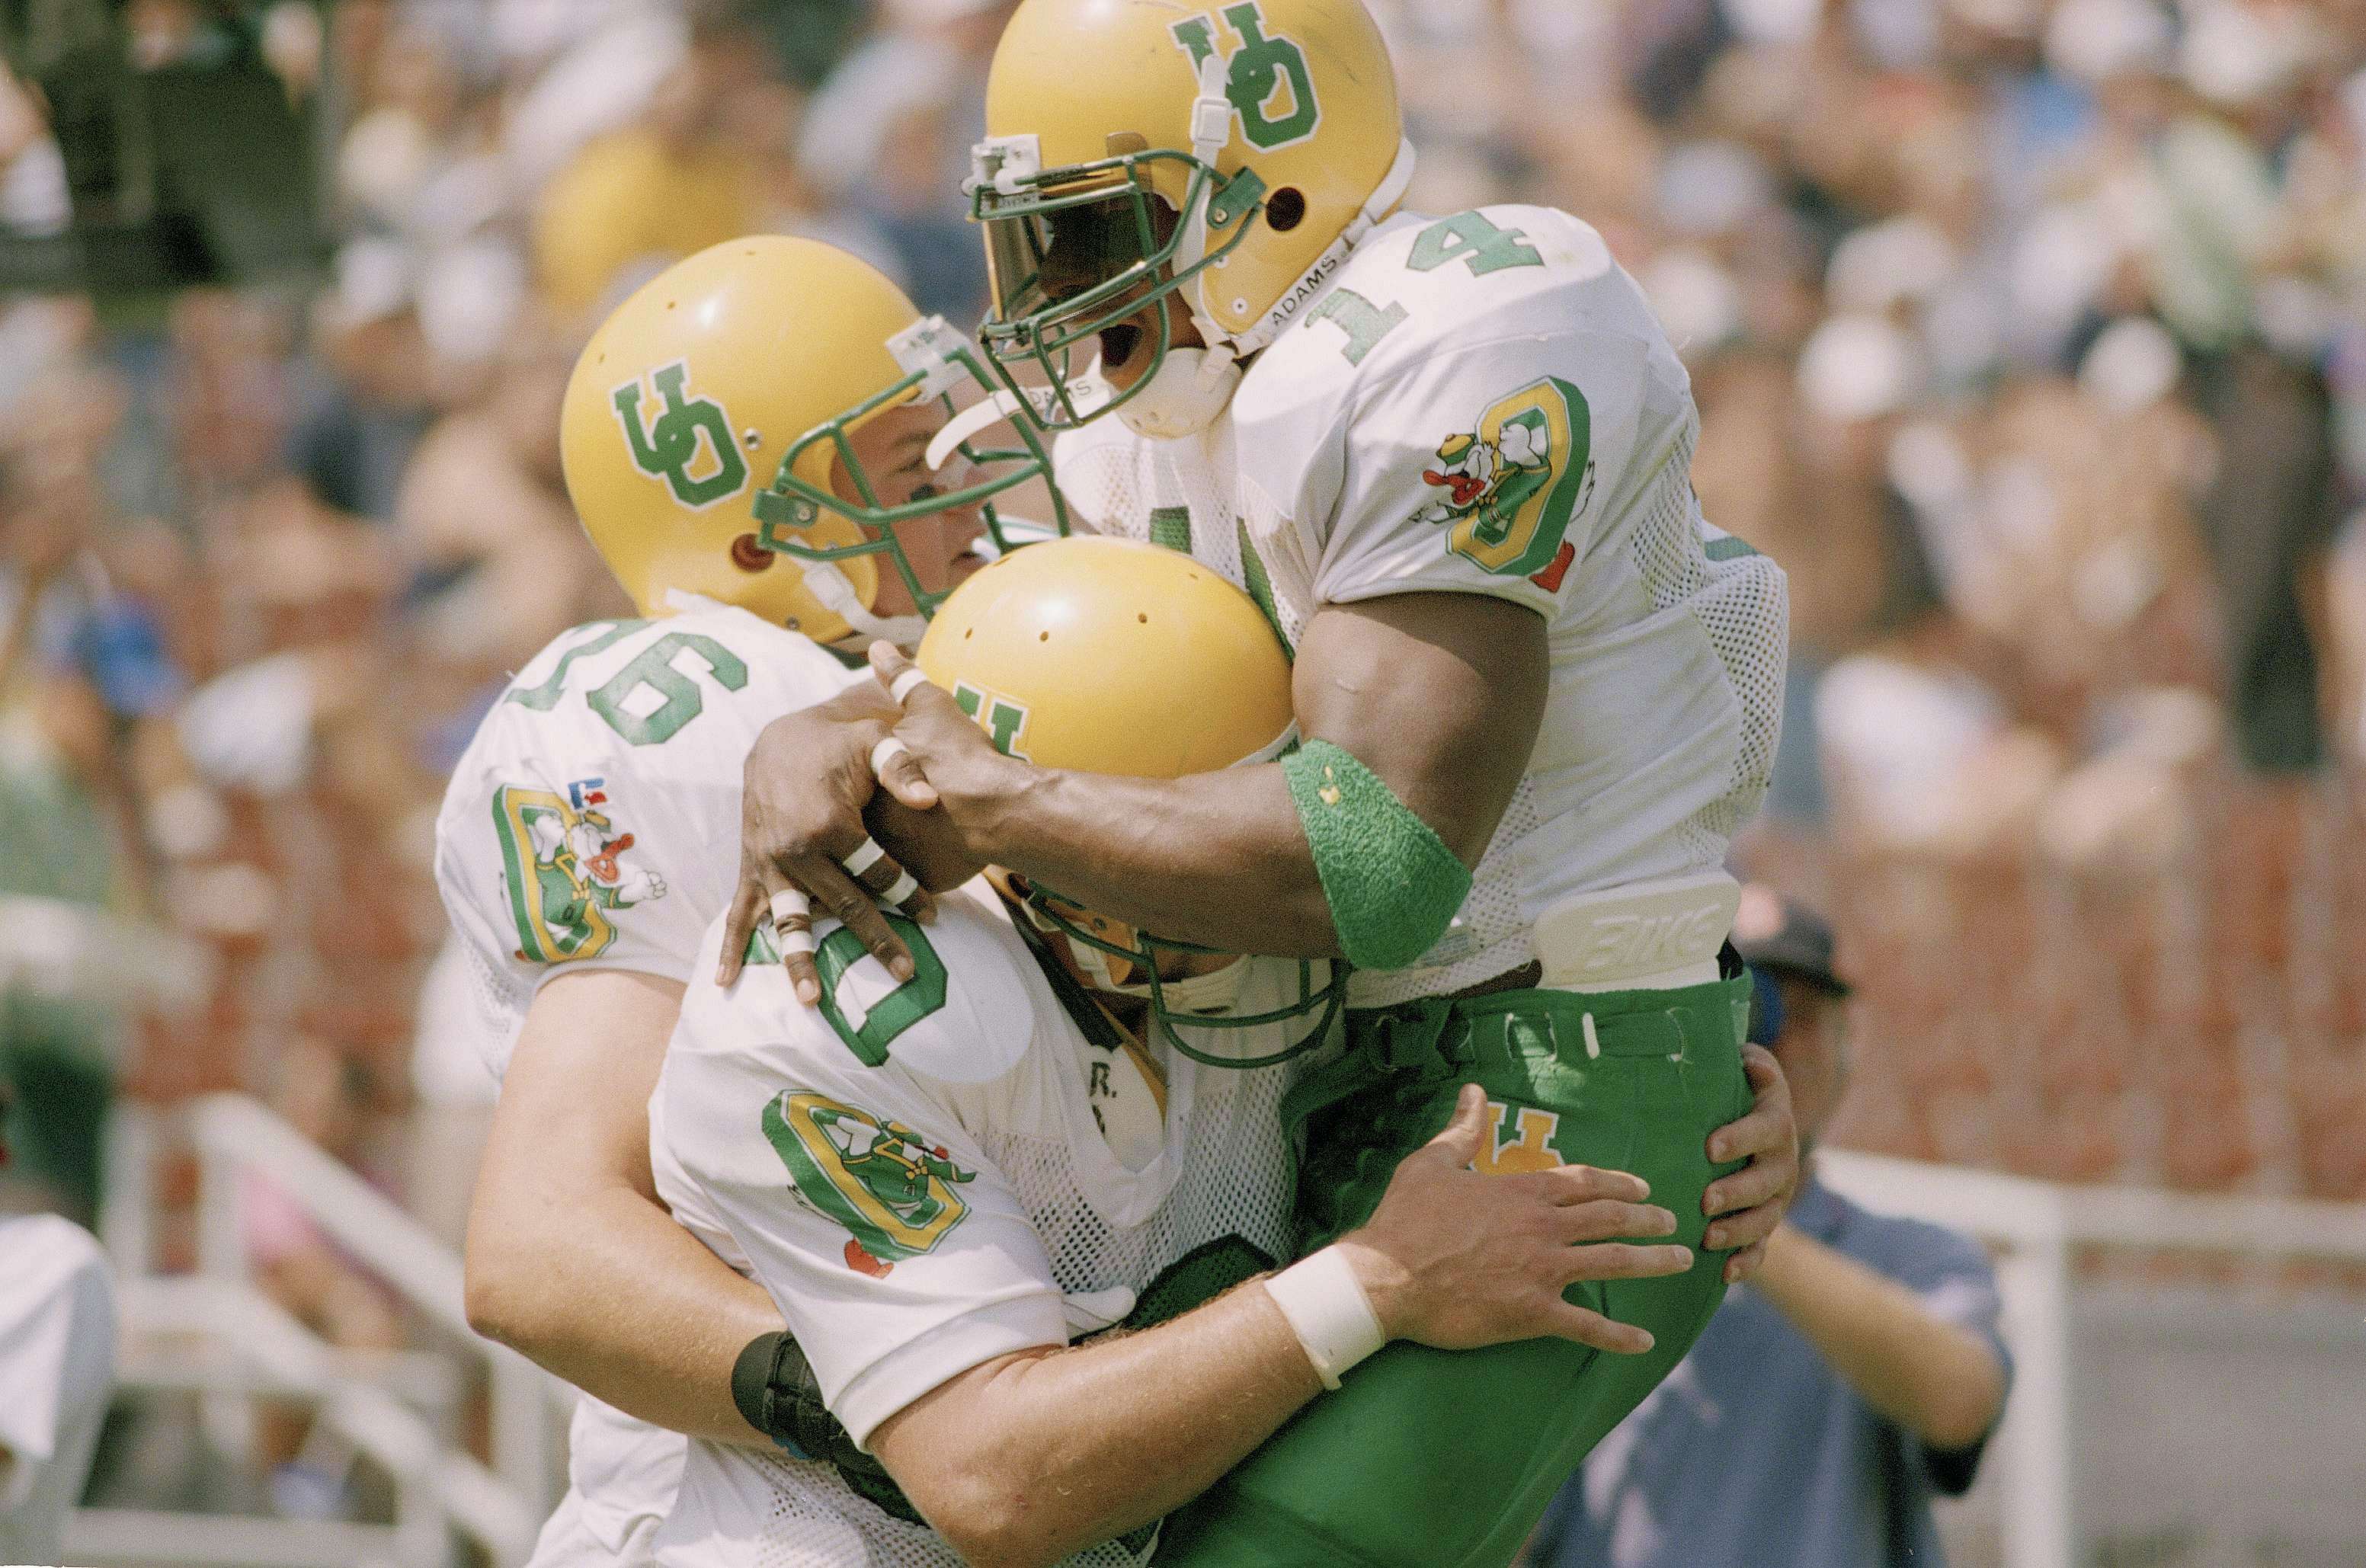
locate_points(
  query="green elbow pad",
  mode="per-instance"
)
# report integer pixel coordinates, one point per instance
(1392, 885)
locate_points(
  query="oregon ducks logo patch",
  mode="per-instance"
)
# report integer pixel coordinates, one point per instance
(1523, 1140)
(880, 1179)
(689, 444)
(1511, 487)
(562, 856)
(1003, 719)
(1272, 91)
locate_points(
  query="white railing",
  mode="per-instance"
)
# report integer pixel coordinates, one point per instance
(2034, 1226)
(439, 1487)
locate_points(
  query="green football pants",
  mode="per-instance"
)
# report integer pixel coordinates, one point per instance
(1436, 1459)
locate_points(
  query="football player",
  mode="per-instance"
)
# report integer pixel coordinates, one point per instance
(578, 847)
(584, 843)
(942, 1179)
(1450, 456)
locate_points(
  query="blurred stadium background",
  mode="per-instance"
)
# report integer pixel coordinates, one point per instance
(2030, 336)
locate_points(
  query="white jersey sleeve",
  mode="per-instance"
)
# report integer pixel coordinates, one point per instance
(57, 1368)
(592, 821)
(839, 1155)
(1462, 412)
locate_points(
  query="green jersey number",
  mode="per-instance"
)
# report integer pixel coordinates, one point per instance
(1364, 322)
(1467, 237)
(679, 699)
(892, 1014)
(896, 1011)
(545, 697)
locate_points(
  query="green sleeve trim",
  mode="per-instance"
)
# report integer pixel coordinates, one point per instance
(1392, 885)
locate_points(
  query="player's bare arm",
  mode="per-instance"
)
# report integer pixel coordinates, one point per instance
(1438, 694)
(1029, 1457)
(1222, 858)
(571, 1261)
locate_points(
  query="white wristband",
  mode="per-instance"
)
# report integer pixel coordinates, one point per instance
(1328, 1311)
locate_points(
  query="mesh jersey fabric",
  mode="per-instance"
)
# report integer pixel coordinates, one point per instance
(1025, 1115)
(1667, 637)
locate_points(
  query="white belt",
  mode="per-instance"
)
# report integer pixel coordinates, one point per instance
(1644, 936)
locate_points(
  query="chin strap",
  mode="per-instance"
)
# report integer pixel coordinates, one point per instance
(1211, 128)
(1215, 991)
(1301, 291)
(829, 586)
(1212, 992)
(968, 422)
(1186, 393)
(1191, 385)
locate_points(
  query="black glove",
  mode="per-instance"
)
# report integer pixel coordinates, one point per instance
(774, 1387)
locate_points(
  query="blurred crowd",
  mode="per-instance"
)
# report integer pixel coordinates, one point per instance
(2030, 336)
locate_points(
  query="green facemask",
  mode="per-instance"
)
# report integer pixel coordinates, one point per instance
(1074, 253)
(937, 361)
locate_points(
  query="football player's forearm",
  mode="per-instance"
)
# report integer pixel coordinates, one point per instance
(1026, 1460)
(1439, 695)
(606, 1292)
(1219, 858)
(1939, 1381)
(571, 1261)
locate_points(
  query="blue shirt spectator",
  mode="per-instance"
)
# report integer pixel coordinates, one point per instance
(1755, 1453)
(1829, 1399)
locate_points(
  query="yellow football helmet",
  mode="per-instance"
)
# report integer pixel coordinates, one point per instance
(1111, 656)
(1234, 154)
(706, 418)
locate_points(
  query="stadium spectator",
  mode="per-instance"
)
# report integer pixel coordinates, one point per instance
(1860, 1373)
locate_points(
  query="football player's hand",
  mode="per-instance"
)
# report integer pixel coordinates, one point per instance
(806, 784)
(1457, 1259)
(1744, 1208)
(951, 748)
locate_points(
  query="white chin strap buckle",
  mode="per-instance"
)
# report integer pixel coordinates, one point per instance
(927, 348)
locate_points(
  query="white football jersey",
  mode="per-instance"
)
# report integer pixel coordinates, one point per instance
(593, 823)
(1484, 405)
(918, 1174)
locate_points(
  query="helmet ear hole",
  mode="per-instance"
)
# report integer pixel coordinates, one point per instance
(1285, 209)
(749, 556)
